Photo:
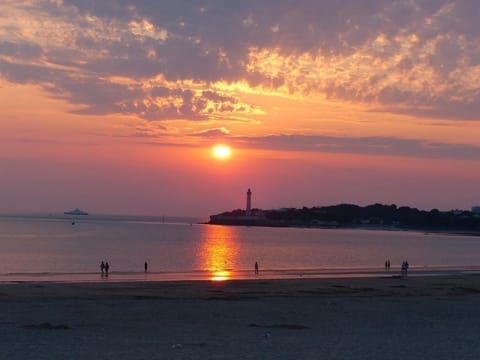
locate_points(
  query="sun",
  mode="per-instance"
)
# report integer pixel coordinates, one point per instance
(221, 152)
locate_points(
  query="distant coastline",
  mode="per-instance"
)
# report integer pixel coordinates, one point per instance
(373, 217)
(76, 211)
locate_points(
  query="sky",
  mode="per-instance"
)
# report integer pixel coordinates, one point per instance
(114, 106)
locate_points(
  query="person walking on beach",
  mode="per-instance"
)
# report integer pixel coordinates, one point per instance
(102, 266)
(256, 267)
(107, 267)
(146, 266)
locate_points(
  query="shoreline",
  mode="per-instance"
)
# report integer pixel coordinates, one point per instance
(238, 275)
(425, 231)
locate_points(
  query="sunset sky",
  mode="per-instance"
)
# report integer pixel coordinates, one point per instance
(114, 106)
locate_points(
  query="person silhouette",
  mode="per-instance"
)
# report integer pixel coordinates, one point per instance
(256, 267)
(146, 266)
(107, 267)
(102, 267)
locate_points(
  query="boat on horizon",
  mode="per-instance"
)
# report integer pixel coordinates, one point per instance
(76, 211)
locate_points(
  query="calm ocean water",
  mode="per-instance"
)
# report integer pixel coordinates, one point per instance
(51, 248)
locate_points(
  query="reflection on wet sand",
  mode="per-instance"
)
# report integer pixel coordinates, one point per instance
(218, 252)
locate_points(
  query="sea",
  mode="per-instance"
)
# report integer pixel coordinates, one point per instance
(62, 248)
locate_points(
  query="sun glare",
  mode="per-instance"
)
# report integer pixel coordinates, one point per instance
(222, 151)
(221, 276)
(218, 252)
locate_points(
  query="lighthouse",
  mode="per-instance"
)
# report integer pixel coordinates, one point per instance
(249, 203)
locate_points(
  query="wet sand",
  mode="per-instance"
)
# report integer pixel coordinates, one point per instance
(435, 317)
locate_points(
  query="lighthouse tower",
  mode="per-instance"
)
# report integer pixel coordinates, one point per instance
(249, 203)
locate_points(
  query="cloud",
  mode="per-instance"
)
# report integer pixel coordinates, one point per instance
(177, 103)
(383, 146)
(214, 133)
(420, 57)
(369, 145)
(20, 51)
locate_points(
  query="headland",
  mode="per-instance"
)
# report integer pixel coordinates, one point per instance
(376, 216)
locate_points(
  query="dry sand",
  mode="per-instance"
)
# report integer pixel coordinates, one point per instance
(364, 318)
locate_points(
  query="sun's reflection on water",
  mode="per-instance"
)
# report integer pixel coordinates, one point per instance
(218, 252)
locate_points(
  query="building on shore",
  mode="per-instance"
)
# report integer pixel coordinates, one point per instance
(248, 217)
(248, 209)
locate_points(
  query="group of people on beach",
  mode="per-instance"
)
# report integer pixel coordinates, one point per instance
(387, 264)
(404, 266)
(104, 267)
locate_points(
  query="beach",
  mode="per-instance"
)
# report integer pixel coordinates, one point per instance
(392, 317)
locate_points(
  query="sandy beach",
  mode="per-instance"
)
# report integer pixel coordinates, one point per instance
(435, 317)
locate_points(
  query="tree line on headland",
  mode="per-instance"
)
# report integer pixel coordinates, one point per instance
(348, 215)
